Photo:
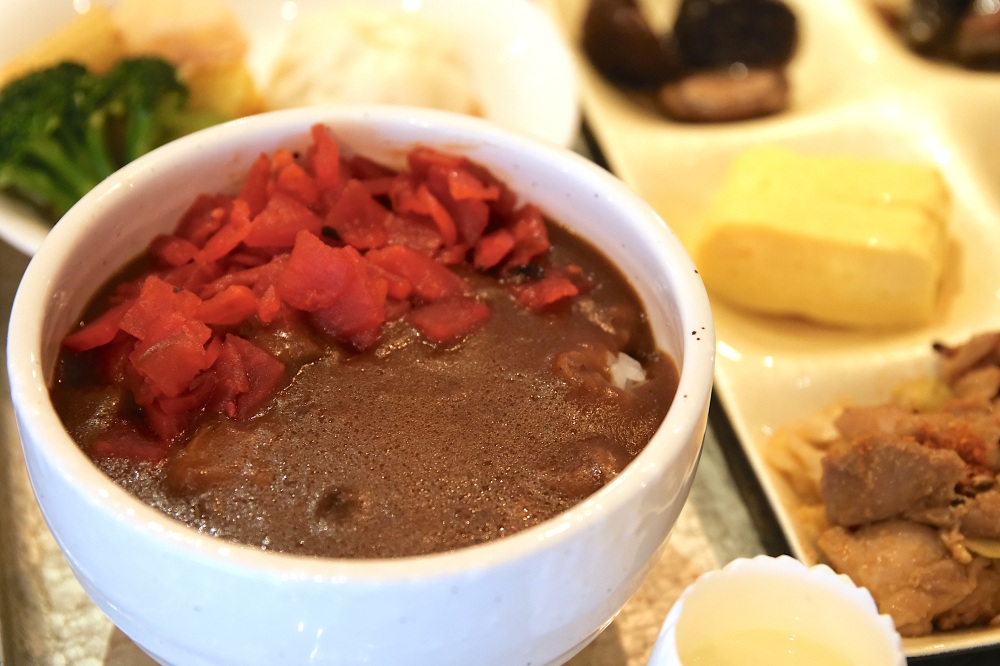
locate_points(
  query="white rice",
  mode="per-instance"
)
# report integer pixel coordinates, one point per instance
(626, 372)
(356, 54)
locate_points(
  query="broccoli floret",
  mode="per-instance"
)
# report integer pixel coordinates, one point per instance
(65, 129)
(143, 104)
(43, 143)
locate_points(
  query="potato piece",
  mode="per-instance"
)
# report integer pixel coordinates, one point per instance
(229, 90)
(189, 33)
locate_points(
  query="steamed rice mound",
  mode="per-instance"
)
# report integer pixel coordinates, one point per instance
(359, 55)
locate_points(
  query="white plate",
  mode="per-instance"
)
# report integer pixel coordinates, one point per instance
(856, 91)
(523, 70)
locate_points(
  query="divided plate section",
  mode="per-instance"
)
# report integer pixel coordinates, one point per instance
(856, 91)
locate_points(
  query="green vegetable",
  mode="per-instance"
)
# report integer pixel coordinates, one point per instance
(64, 129)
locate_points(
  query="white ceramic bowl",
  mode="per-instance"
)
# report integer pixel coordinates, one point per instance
(776, 611)
(186, 598)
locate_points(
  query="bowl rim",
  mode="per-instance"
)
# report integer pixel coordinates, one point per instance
(34, 410)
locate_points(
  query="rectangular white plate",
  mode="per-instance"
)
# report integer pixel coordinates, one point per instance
(855, 91)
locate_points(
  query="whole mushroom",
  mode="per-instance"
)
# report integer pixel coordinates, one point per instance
(734, 53)
(622, 46)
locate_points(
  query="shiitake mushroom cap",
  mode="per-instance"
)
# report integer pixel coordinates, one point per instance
(622, 46)
(709, 34)
(929, 27)
(723, 60)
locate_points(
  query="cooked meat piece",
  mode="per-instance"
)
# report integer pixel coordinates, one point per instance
(90, 410)
(907, 569)
(879, 478)
(943, 516)
(914, 501)
(982, 515)
(982, 604)
(722, 95)
(220, 455)
(982, 349)
(967, 426)
(970, 430)
(585, 368)
(981, 384)
(616, 319)
(977, 41)
(855, 422)
(591, 463)
(718, 33)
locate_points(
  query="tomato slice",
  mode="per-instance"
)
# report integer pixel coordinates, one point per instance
(407, 198)
(431, 280)
(545, 292)
(358, 219)
(449, 321)
(172, 250)
(204, 217)
(159, 308)
(415, 232)
(357, 316)
(316, 274)
(229, 307)
(466, 202)
(100, 331)
(229, 235)
(280, 222)
(254, 192)
(323, 157)
(263, 375)
(463, 185)
(422, 158)
(171, 363)
(531, 238)
(492, 248)
(269, 305)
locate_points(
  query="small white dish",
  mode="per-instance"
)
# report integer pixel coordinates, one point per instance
(776, 611)
(522, 69)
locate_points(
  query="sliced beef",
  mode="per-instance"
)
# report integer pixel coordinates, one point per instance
(906, 492)
(980, 384)
(982, 516)
(587, 465)
(856, 421)
(968, 427)
(908, 570)
(980, 350)
(982, 604)
(971, 432)
(880, 477)
(221, 455)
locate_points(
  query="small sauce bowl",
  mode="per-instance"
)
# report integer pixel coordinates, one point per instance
(776, 611)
